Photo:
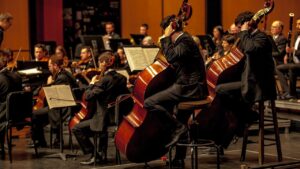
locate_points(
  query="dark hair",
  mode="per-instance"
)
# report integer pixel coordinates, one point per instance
(229, 38)
(57, 60)
(243, 17)
(42, 46)
(167, 20)
(62, 49)
(220, 29)
(145, 26)
(110, 23)
(108, 57)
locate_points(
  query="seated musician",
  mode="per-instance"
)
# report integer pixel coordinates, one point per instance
(9, 58)
(9, 82)
(227, 43)
(184, 56)
(40, 53)
(43, 116)
(60, 51)
(102, 90)
(85, 61)
(257, 75)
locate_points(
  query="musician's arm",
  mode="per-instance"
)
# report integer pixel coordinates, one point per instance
(249, 45)
(173, 53)
(95, 90)
(281, 49)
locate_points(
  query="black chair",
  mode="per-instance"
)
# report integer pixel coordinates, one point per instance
(19, 108)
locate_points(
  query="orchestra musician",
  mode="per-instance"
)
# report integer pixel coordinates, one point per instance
(60, 51)
(295, 65)
(102, 90)
(40, 53)
(218, 33)
(9, 58)
(44, 115)
(110, 34)
(9, 82)
(5, 22)
(257, 77)
(278, 54)
(184, 56)
(86, 60)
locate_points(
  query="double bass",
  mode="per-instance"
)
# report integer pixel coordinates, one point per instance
(140, 135)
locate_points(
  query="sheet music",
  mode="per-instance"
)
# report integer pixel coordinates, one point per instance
(59, 96)
(136, 58)
(150, 54)
(32, 71)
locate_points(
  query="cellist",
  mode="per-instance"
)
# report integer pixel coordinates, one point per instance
(184, 56)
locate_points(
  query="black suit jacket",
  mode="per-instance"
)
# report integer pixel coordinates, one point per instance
(279, 54)
(9, 82)
(185, 57)
(1, 35)
(297, 51)
(103, 92)
(258, 82)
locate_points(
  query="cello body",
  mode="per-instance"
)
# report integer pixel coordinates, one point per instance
(140, 136)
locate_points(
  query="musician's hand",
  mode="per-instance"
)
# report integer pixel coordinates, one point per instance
(169, 30)
(289, 50)
(245, 26)
(50, 80)
(94, 79)
(285, 59)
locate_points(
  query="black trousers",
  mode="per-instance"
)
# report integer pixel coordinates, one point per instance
(39, 121)
(83, 133)
(163, 104)
(294, 72)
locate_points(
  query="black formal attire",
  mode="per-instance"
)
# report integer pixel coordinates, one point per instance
(43, 116)
(257, 79)
(278, 54)
(100, 94)
(184, 56)
(1, 35)
(293, 67)
(9, 82)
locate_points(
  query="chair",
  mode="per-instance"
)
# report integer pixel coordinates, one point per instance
(18, 108)
(117, 107)
(193, 142)
(261, 136)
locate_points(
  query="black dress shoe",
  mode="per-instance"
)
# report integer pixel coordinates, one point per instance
(178, 163)
(176, 135)
(91, 160)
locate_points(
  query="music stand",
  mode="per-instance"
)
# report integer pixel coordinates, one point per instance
(207, 43)
(115, 43)
(59, 96)
(138, 38)
(95, 41)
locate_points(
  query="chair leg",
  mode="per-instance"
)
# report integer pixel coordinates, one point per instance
(51, 135)
(118, 157)
(276, 131)
(2, 137)
(218, 155)
(95, 147)
(244, 146)
(170, 157)
(70, 140)
(261, 133)
(8, 137)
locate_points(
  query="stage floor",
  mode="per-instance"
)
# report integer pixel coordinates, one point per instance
(23, 158)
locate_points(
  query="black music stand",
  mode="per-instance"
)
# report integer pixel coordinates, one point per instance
(138, 38)
(95, 41)
(59, 96)
(115, 43)
(207, 43)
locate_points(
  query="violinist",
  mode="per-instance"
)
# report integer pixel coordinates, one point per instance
(103, 89)
(5, 23)
(44, 115)
(227, 43)
(9, 58)
(9, 82)
(40, 53)
(184, 56)
(257, 82)
(60, 51)
(86, 60)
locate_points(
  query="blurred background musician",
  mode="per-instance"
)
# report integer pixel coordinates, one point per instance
(110, 34)
(60, 51)
(44, 115)
(218, 33)
(8, 56)
(5, 22)
(40, 53)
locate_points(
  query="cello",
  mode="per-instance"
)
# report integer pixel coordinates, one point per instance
(140, 136)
